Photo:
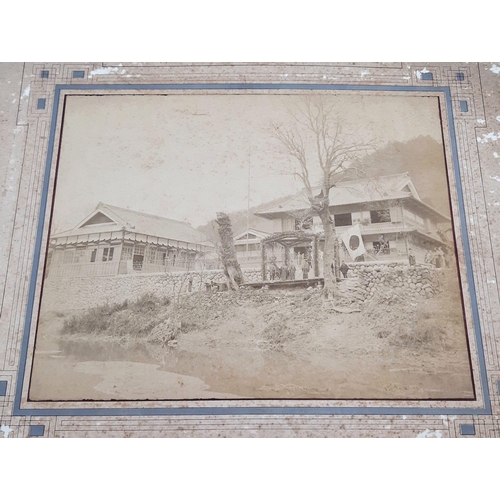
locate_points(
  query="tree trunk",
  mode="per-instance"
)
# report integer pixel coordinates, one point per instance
(232, 270)
(328, 254)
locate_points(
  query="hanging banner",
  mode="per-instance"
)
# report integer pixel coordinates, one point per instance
(354, 242)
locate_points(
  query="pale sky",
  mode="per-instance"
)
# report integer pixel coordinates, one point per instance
(186, 157)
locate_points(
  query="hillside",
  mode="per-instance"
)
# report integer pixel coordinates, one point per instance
(421, 157)
(239, 221)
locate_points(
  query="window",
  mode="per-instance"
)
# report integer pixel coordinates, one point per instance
(377, 216)
(343, 220)
(93, 255)
(139, 250)
(58, 256)
(162, 256)
(127, 252)
(107, 254)
(288, 224)
(360, 218)
(79, 255)
(151, 255)
(381, 247)
(303, 224)
(68, 256)
(252, 247)
(396, 214)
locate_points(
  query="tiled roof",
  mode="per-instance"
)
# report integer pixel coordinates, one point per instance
(352, 192)
(141, 223)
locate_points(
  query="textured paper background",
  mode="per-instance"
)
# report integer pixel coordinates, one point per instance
(24, 136)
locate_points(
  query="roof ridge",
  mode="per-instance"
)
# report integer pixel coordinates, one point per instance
(146, 214)
(375, 178)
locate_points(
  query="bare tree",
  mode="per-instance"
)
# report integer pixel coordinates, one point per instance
(325, 154)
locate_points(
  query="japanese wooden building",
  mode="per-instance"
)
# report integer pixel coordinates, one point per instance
(388, 210)
(247, 246)
(113, 240)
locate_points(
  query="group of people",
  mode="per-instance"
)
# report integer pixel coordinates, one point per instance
(436, 257)
(285, 272)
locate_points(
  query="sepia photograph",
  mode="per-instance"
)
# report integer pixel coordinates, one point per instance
(227, 246)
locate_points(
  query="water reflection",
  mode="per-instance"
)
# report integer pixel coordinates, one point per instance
(248, 373)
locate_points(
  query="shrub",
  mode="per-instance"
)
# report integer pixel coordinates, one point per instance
(119, 319)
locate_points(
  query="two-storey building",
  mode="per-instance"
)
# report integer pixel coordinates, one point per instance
(388, 210)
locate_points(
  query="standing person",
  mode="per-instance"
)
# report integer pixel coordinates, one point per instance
(411, 257)
(442, 260)
(344, 268)
(435, 257)
(447, 256)
(382, 244)
(273, 268)
(305, 269)
(428, 257)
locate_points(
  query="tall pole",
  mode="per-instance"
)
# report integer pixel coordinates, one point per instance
(248, 195)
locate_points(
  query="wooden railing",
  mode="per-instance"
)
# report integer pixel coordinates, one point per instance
(83, 269)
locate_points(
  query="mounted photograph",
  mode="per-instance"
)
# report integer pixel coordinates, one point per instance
(251, 246)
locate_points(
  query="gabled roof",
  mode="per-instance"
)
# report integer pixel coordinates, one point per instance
(253, 234)
(374, 189)
(135, 222)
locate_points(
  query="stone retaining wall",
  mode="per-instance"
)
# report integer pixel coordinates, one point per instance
(92, 291)
(369, 280)
(421, 280)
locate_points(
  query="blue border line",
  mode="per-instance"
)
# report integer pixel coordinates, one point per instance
(17, 410)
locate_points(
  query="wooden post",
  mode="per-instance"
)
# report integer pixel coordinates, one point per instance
(337, 257)
(263, 251)
(315, 256)
(287, 256)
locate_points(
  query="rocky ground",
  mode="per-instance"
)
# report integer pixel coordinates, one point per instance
(269, 344)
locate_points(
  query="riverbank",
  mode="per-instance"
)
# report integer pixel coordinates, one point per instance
(254, 344)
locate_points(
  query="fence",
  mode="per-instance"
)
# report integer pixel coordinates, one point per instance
(83, 269)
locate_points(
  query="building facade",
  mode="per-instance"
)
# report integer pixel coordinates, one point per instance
(247, 246)
(391, 217)
(113, 240)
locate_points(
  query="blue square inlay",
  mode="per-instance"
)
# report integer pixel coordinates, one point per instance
(464, 107)
(3, 387)
(37, 430)
(427, 76)
(44, 73)
(78, 74)
(460, 77)
(41, 103)
(467, 430)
